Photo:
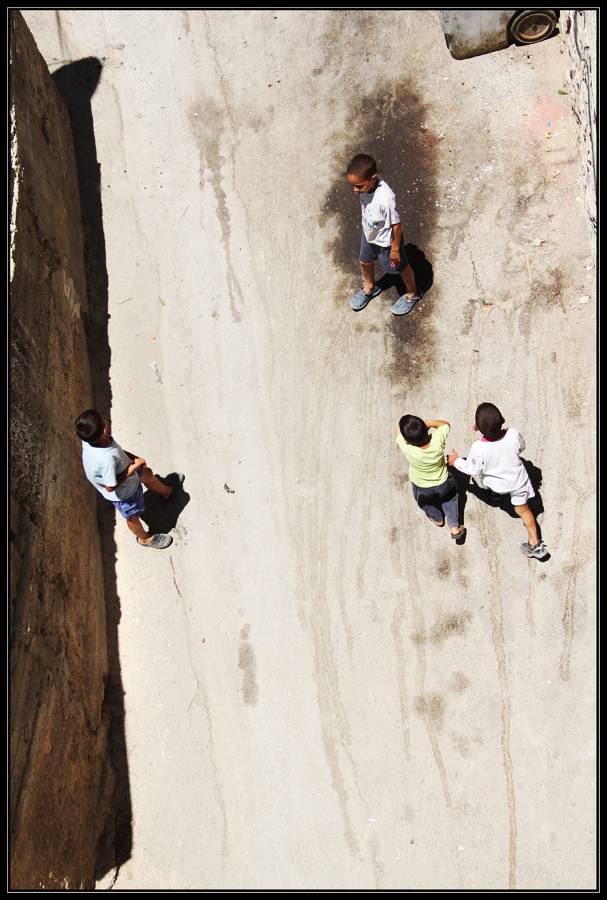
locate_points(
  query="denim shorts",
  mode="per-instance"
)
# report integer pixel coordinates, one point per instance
(372, 252)
(133, 505)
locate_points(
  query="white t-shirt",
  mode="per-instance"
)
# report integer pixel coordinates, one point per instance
(102, 465)
(379, 214)
(496, 463)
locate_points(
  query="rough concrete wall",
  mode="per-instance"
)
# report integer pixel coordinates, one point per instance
(578, 27)
(60, 780)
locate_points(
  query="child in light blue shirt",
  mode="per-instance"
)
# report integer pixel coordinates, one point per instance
(119, 476)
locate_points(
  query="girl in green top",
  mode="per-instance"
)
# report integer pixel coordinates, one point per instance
(433, 486)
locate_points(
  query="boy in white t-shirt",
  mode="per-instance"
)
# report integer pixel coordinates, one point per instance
(495, 463)
(382, 237)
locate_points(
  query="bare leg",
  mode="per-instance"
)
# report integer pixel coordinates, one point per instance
(529, 521)
(409, 279)
(368, 270)
(138, 530)
(152, 484)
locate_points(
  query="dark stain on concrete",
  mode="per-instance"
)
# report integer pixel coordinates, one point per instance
(458, 682)
(389, 124)
(443, 568)
(449, 625)
(432, 706)
(248, 664)
(399, 479)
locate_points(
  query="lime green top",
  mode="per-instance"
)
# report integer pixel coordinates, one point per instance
(427, 468)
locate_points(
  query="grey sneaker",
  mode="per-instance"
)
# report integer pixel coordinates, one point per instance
(158, 542)
(538, 552)
(360, 299)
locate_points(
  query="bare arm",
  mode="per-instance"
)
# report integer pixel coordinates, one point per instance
(435, 423)
(397, 232)
(137, 463)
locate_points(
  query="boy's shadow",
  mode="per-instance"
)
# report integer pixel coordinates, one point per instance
(422, 269)
(466, 485)
(161, 516)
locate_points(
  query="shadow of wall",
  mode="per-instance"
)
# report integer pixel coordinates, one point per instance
(76, 83)
(63, 705)
(61, 781)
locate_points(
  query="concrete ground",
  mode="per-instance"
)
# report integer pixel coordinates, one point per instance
(323, 691)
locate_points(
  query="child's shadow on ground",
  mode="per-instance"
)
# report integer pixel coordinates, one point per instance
(422, 269)
(161, 516)
(465, 486)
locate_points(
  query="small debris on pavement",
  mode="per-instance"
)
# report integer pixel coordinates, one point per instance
(229, 490)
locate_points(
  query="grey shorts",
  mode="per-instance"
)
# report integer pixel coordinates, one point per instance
(372, 252)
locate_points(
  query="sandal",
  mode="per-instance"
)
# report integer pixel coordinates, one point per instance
(460, 534)
(405, 304)
(360, 299)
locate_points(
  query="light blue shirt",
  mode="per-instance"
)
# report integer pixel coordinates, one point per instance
(103, 465)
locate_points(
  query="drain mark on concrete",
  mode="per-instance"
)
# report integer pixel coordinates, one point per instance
(210, 128)
(315, 519)
(201, 692)
(248, 664)
(568, 617)
(490, 539)
(425, 707)
(397, 621)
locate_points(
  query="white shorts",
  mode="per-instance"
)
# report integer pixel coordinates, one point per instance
(518, 497)
(522, 494)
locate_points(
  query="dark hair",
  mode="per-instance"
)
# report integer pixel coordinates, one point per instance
(89, 426)
(362, 166)
(414, 430)
(489, 420)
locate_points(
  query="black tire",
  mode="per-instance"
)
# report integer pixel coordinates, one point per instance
(532, 25)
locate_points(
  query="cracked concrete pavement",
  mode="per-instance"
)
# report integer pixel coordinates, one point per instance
(321, 690)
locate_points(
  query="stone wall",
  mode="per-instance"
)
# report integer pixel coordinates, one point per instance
(60, 778)
(579, 31)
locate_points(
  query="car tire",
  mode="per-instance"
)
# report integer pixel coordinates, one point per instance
(532, 25)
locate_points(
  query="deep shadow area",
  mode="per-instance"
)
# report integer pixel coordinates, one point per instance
(462, 482)
(466, 485)
(389, 123)
(161, 516)
(424, 276)
(76, 83)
